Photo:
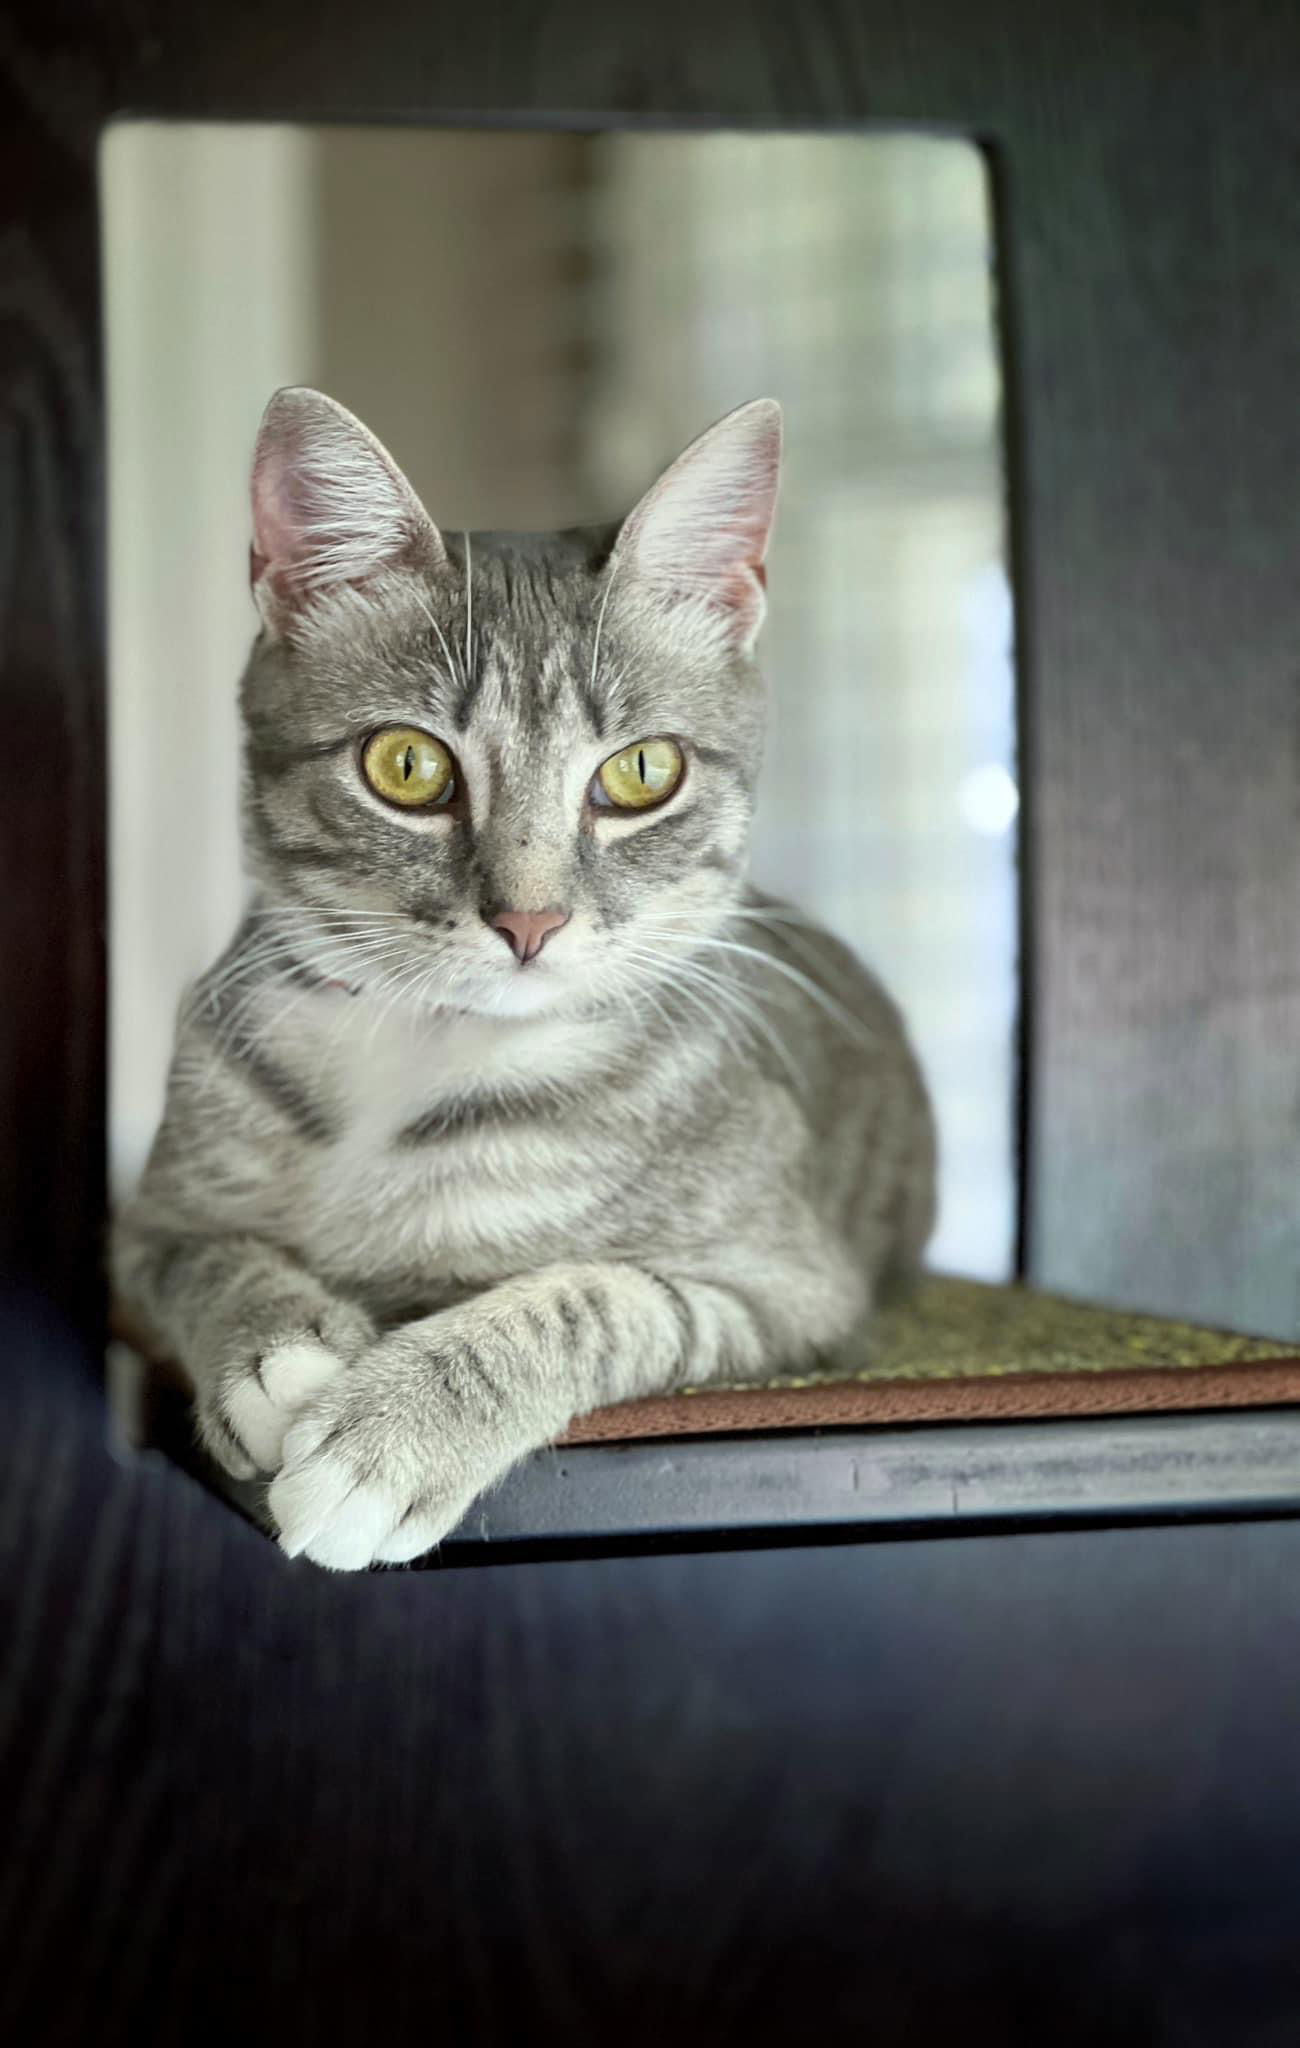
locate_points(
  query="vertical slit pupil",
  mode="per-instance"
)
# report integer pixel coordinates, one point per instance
(408, 763)
(640, 764)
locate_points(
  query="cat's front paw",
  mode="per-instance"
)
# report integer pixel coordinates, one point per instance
(384, 1464)
(245, 1412)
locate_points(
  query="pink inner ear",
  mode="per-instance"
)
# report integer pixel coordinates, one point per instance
(270, 543)
(291, 519)
(731, 557)
(741, 597)
(276, 548)
(702, 531)
(330, 507)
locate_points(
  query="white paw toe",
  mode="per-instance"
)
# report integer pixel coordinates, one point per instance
(305, 1496)
(414, 1537)
(261, 1405)
(322, 1514)
(292, 1372)
(352, 1538)
(257, 1422)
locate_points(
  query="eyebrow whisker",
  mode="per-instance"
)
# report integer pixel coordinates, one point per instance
(469, 615)
(427, 609)
(614, 567)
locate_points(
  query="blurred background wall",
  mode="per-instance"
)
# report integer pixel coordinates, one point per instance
(534, 324)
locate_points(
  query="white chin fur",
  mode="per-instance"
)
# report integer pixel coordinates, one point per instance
(521, 993)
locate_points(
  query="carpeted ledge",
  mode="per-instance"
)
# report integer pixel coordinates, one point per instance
(962, 1351)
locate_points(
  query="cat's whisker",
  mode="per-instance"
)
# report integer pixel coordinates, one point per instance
(271, 1025)
(615, 564)
(390, 993)
(726, 994)
(261, 950)
(408, 985)
(328, 912)
(332, 1038)
(852, 1026)
(306, 917)
(275, 1022)
(750, 1014)
(701, 942)
(647, 988)
(469, 614)
(715, 1007)
(650, 991)
(797, 932)
(263, 966)
(432, 979)
(243, 987)
(429, 614)
(302, 949)
(232, 1025)
(644, 984)
(783, 913)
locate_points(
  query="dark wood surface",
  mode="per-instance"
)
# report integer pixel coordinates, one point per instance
(1024, 1788)
(1151, 286)
(1012, 1790)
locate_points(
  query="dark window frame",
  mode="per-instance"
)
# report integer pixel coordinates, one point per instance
(1150, 300)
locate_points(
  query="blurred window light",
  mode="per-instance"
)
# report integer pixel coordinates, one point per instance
(989, 800)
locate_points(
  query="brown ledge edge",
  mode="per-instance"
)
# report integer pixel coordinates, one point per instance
(967, 1351)
(1013, 1397)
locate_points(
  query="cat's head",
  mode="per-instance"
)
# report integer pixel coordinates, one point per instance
(502, 772)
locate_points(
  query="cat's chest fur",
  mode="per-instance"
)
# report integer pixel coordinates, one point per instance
(456, 1142)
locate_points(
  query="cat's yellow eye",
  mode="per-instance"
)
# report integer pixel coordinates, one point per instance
(408, 767)
(641, 775)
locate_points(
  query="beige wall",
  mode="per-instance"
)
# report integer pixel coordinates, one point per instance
(450, 315)
(209, 249)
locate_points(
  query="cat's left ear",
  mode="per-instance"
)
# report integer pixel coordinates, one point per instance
(700, 534)
(330, 506)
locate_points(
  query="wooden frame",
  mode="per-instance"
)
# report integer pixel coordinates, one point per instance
(1150, 322)
(1024, 1786)
(1145, 201)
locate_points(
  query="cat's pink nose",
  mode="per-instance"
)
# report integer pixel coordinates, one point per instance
(526, 931)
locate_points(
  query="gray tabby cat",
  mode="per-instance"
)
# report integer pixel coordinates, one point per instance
(508, 1099)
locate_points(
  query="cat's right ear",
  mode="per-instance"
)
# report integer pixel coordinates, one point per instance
(700, 535)
(330, 507)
